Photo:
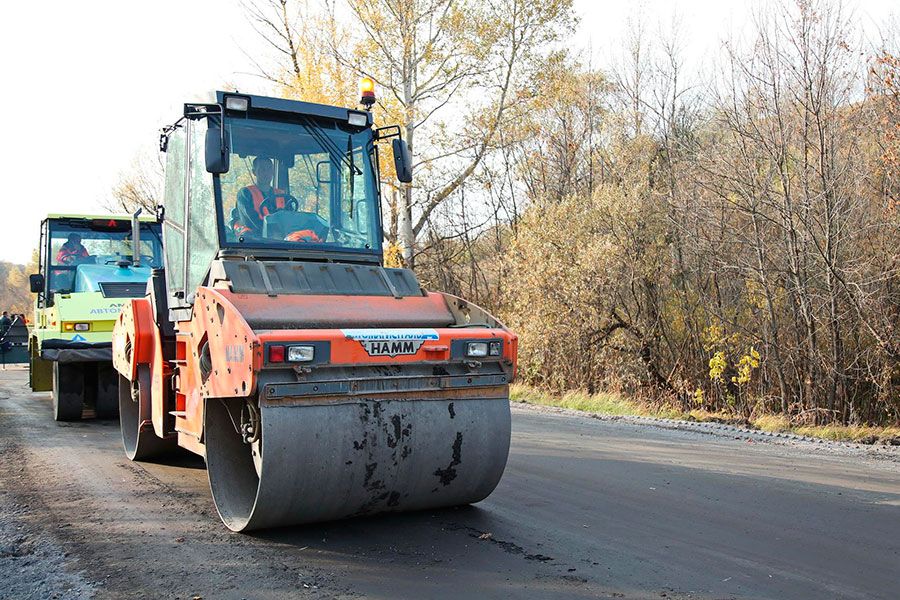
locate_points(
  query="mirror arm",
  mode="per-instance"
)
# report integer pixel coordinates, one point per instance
(165, 132)
(202, 111)
(387, 132)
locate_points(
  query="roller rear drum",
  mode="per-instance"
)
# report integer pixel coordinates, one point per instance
(319, 462)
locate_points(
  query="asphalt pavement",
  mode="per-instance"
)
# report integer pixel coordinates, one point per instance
(587, 508)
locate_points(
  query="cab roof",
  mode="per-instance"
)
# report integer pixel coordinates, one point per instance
(263, 104)
(107, 216)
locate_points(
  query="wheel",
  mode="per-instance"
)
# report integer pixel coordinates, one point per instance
(68, 392)
(107, 392)
(138, 437)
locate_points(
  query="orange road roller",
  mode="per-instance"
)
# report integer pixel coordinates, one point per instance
(316, 383)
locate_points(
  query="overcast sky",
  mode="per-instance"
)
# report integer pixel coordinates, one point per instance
(87, 85)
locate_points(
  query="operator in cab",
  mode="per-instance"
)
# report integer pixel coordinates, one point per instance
(255, 202)
(72, 251)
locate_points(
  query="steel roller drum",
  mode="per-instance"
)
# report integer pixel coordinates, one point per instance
(328, 461)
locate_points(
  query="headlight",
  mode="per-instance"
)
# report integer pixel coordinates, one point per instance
(76, 326)
(496, 348)
(300, 353)
(477, 349)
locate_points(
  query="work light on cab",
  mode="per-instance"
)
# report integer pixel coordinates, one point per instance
(367, 91)
(237, 103)
(357, 119)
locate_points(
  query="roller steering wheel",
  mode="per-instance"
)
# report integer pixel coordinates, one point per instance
(290, 203)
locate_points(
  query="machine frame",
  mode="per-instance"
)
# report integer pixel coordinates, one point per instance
(396, 399)
(76, 364)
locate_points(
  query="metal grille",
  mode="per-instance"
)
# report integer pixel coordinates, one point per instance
(129, 289)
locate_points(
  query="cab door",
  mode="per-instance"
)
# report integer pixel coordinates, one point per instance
(174, 203)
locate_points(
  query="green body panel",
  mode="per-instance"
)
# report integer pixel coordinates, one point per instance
(40, 373)
(85, 307)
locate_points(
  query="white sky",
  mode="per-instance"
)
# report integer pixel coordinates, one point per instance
(87, 85)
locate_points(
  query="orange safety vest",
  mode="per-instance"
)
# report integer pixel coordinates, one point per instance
(67, 253)
(258, 199)
(304, 235)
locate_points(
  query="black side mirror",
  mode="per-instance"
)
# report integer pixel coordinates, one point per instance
(218, 155)
(402, 161)
(36, 282)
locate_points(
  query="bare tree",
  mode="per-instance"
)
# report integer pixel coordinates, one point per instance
(140, 186)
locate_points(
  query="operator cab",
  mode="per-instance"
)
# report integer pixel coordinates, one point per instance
(257, 178)
(96, 254)
(321, 193)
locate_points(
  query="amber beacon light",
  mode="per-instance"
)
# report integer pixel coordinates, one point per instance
(367, 91)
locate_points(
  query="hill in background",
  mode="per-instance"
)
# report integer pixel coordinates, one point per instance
(14, 293)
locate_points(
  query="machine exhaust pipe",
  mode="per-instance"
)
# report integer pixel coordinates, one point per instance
(136, 238)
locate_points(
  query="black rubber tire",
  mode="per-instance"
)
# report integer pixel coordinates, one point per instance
(107, 392)
(68, 391)
(140, 444)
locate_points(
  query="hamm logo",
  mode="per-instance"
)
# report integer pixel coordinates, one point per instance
(386, 348)
(390, 342)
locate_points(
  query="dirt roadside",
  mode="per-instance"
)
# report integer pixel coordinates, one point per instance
(72, 527)
(32, 563)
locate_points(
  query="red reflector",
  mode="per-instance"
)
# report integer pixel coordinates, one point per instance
(276, 353)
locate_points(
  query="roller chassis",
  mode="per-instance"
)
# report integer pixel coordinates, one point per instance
(220, 397)
(78, 373)
(76, 366)
(385, 406)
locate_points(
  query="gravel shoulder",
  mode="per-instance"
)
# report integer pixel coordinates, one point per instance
(800, 443)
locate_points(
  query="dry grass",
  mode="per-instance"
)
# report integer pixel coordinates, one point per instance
(618, 405)
(842, 433)
(603, 403)
(773, 423)
(852, 433)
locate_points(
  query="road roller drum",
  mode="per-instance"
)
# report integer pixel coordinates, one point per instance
(328, 461)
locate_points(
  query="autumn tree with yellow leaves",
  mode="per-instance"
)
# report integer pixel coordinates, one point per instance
(726, 243)
(451, 74)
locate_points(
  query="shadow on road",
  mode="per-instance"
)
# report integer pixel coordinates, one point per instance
(411, 528)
